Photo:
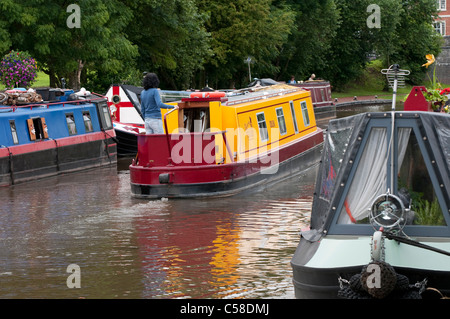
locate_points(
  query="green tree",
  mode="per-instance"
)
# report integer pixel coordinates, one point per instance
(41, 28)
(305, 52)
(241, 29)
(171, 37)
(405, 36)
(349, 49)
(416, 37)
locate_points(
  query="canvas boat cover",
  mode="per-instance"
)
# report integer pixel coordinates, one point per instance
(341, 145)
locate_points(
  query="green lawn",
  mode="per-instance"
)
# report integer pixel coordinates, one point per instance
(42, 80)
(372, 91)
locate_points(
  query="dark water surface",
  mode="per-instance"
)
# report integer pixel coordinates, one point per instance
(236, 247)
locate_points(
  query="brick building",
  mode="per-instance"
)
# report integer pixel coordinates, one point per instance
(442, 25)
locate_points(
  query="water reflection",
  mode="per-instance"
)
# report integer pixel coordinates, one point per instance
(238, 247)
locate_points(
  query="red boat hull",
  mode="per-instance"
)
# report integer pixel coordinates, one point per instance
(200, 179)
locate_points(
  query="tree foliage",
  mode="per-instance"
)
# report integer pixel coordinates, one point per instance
(240, 29)
(171, 37)
(40, 27)
(305, 51)
(191, 43)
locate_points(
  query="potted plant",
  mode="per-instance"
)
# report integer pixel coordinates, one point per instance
(436, 99)
(18, 69)
(435, 96)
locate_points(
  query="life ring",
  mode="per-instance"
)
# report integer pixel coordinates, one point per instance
(205, 95)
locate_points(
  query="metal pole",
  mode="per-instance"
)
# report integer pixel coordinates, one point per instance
(396, 69)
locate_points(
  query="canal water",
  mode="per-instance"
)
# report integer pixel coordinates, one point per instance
(82, 235)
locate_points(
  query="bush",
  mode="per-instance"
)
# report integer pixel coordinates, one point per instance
(18, 69)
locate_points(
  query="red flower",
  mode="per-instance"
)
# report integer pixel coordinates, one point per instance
(445, 91)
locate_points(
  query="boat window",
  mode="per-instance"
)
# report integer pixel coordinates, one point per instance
(369, 180)
(335, 148)
(12, 125)
(305, 113)
(281, 121)
(414, 182)
(134, 98)
(71, 124)
(107, 116)
(414, 187)
(322, 93)
(444, 139)
(104, 115)
(87, 121)
(263, 133)
(294, 118)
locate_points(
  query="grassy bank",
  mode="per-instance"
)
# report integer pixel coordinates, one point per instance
(42, 80)
(371, 83)
(368, 91)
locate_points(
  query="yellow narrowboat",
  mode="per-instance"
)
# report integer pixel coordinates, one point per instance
(220, 144)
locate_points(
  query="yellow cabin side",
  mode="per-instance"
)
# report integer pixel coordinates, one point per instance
(252, 128)
(256, 127)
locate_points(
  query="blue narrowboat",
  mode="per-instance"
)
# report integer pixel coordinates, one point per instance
(41, 138)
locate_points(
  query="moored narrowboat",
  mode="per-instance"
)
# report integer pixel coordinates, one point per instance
(220, 144)
(380, 221)
(125, 106)
(45, 138)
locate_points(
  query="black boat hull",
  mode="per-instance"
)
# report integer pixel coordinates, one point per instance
(36, 164)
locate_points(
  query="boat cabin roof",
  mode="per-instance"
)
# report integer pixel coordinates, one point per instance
(368, 155)
(23, 124)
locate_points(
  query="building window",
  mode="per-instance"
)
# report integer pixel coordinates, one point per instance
(87, 122)
(305, 113)
(441, 5)
(294, 118)
(263, 133)
(281, 121)
(12, 125)
(439, 27)
(71, 124)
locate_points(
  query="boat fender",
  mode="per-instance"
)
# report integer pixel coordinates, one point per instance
(379, 280)
(376, 252)
(3, 97)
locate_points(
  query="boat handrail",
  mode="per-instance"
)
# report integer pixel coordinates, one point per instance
(167, 134)
(258, 95)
